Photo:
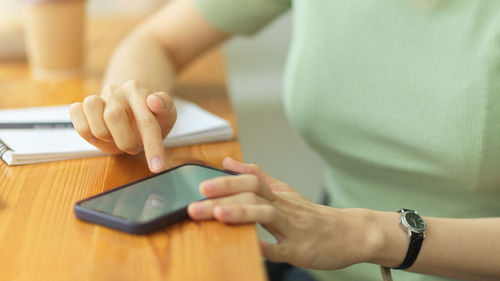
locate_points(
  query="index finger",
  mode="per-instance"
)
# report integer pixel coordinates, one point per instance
(150, 131)
(224, 186)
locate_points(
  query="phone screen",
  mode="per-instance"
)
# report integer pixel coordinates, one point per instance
(156, 196)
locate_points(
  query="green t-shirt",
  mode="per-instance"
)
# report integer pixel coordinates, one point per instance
(401, 99)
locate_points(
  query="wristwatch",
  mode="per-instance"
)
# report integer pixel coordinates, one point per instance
(415, 225)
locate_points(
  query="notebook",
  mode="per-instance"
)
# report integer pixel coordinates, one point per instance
(194, 125)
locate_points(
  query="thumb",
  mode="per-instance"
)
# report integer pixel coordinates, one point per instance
(274, 252)
(163, 108)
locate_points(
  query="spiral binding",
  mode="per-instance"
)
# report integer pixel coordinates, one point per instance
(3, 148)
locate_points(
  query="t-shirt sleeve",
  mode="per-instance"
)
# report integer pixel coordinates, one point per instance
(241, 16)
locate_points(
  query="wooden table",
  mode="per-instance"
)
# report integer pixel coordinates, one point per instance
(41, 239)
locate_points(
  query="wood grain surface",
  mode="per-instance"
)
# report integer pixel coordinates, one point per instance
(41, 239)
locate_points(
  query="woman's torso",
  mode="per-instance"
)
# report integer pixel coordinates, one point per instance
(401, 99)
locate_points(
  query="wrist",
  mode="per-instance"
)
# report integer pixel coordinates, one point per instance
(382, 240)
(156, 71)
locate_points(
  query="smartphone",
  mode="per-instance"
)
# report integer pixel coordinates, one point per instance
(151, 203)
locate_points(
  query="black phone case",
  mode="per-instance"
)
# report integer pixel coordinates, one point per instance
(118, 223)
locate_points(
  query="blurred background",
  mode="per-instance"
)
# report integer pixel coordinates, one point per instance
(254, 74)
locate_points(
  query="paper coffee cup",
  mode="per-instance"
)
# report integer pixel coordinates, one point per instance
(54, 38)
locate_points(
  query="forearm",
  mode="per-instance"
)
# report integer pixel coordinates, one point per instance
(457, 248)
(141, 57)
(165, 43)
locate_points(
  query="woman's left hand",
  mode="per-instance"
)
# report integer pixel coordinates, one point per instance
(308, 235)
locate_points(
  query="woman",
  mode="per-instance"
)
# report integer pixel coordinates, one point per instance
(401, 100)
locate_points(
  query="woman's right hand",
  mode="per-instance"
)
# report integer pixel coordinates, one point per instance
(127, 118)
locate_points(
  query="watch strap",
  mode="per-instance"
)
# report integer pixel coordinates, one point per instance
(416, 240)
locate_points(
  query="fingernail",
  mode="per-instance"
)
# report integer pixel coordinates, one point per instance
(161, 101)
(222, 211)
(208, 187)
(231, 159)
(157, 164)
(199, 208)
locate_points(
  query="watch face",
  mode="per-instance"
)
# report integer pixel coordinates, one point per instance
(415, 221)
